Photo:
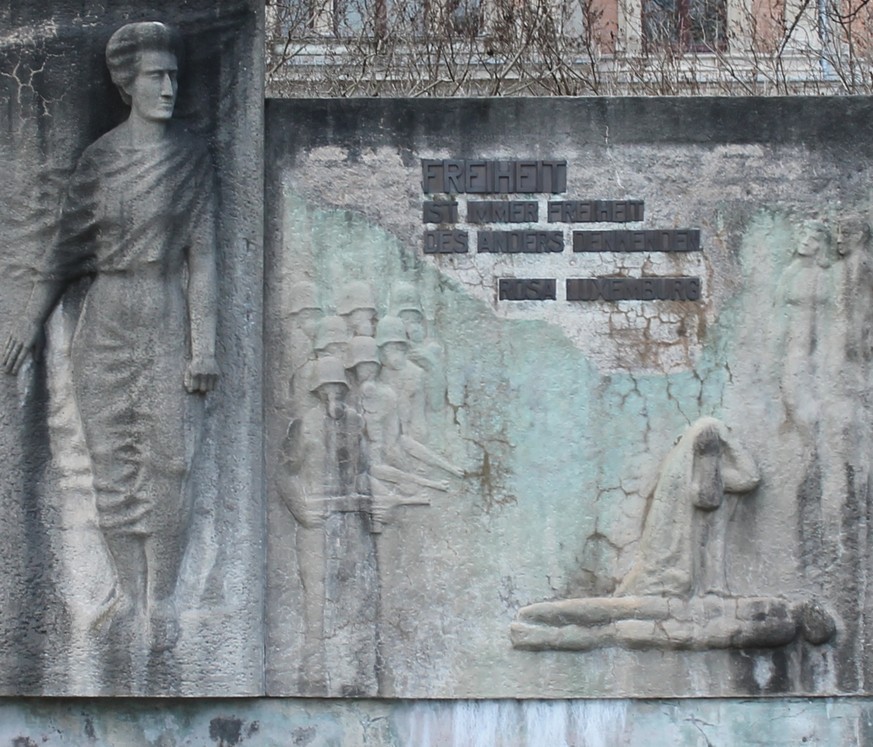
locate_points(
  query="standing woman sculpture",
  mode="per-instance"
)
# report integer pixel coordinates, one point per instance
(139, 220)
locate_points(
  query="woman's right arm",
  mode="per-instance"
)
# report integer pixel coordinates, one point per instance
(27, 331)
(69, 257)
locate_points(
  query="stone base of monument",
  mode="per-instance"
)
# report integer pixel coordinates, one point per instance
(661, 622)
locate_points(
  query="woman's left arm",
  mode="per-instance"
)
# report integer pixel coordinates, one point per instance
(202, 373)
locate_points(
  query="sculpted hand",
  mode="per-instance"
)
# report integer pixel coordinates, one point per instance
(201, 375)
(21, 341)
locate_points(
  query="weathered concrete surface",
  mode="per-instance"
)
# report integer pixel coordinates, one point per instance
(560, 413)
(819, 722)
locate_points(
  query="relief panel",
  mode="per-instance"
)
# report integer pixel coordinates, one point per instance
(124, 391)
(543, 423)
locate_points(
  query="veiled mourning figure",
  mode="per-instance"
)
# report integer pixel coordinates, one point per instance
(682, 549)
(138, 219)
(676, 594)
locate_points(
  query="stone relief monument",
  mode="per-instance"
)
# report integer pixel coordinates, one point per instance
(480, 328)
(114, 348)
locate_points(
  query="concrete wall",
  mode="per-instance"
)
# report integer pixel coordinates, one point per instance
(819, 722)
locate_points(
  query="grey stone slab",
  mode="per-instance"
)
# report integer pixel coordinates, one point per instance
(131, 296)
(654, 484)
(252, 722)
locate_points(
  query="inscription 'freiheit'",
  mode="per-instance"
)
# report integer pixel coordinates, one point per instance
(482, 176)
(521, 242)
(595, 211)
(634, 289)
(674, 240)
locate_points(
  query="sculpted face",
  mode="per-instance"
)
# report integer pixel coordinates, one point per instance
(413, 321)
(809, 246)
(153, 91)
(308, 320)
(393, 355)
(367, 371)
(333, 350)
(363, 322)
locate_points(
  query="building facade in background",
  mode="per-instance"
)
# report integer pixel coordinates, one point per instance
(568, 47)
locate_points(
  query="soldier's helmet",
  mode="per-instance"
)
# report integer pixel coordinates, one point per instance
(355, 295)
(330, 329)
(362, 350)
(328, 370)
(303, 296)
(405, 297)
(390, 329)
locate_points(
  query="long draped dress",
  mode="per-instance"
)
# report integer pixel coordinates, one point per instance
(131, 215)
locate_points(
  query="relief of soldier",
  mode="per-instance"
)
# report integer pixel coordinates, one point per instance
(361, 393)
(358, 448)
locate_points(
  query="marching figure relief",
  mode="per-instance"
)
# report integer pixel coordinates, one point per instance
(138, 221)
(356, 446)
(356, 369)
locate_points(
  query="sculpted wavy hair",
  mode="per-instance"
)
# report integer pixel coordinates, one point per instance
(126, 45)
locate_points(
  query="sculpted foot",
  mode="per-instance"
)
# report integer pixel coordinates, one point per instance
(165, 630)
(115, 605)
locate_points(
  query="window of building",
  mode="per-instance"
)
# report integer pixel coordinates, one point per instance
(464, 17)
(406, 19)
(685, 25)
(353, 18)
